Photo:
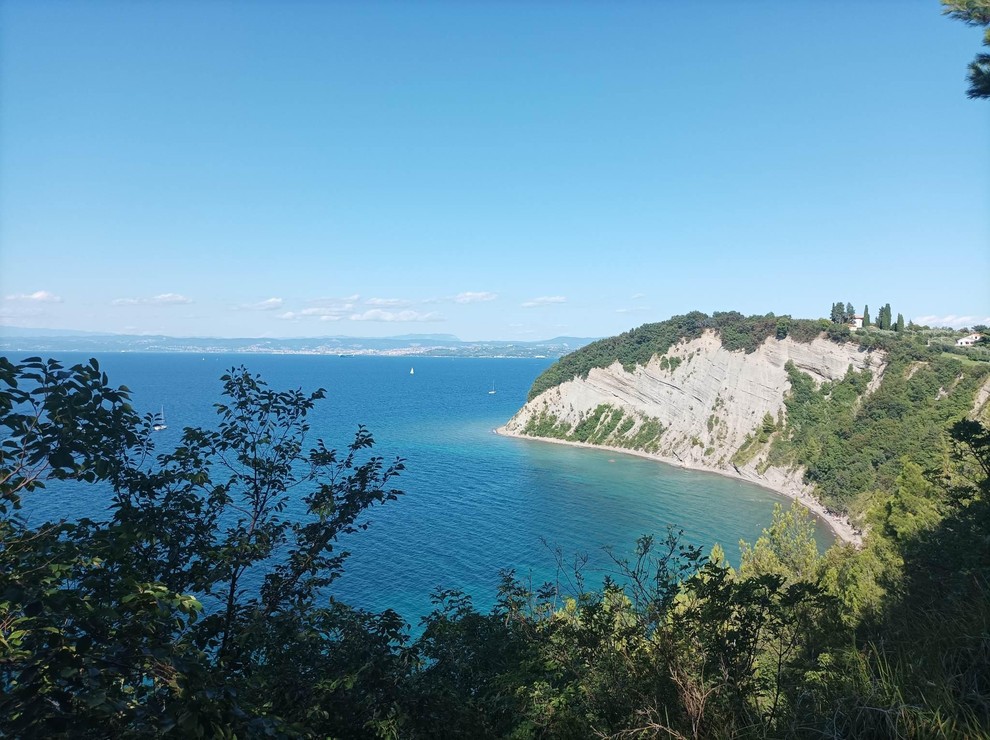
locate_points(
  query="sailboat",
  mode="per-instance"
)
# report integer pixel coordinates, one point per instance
(159, 423)
(492, 391)
(412, 371)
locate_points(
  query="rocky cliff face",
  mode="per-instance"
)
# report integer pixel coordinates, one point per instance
(699, 404)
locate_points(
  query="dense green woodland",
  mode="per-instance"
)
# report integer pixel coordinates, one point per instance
(142, 624)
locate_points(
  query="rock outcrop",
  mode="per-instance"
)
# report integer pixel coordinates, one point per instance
(698, 405)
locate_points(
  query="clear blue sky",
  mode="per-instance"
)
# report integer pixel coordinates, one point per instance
(486, 169)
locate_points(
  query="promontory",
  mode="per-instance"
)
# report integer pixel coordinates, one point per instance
(815, 409)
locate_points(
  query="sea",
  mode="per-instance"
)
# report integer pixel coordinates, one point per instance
(474, 503)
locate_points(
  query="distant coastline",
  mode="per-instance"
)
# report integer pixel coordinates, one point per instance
(840, 526)
(410, 345)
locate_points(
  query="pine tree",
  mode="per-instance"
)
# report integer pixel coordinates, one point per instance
(850, 312)
(866, 315)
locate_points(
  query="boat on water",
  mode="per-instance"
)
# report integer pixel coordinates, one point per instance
(159, 424)
(492, 391)
(412, 371)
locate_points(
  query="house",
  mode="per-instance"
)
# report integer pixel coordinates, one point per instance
(969, 340)
(856, 322)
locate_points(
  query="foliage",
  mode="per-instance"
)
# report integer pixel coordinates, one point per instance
(127, 627)
(787, 548)
(604, 425)
(885, 320)
(974, 13)
(148, 619)
(842, 313)
(852, 444)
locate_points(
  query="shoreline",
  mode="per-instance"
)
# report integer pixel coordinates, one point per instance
(841, 527)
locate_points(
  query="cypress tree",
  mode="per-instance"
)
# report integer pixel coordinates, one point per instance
(899, 326)
(866, 315)
(885, 317)
(850, 312)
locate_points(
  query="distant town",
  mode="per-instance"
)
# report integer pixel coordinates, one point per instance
(423, 345)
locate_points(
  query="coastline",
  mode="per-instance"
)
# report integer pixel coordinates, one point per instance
(840, 526)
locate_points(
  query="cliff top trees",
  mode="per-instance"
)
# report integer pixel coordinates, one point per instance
(842, 313)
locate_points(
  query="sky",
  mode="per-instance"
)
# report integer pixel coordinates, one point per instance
(492, 170)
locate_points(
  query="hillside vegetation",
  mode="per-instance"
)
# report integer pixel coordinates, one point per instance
(851, 442)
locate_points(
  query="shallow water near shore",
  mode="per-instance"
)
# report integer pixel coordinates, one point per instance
(475, 502)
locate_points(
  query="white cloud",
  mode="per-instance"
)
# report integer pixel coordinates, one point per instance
(330, 309)
(163, 299)
(470, 297)
(388, 302)
(377, 314)
(635, 309)
(544, 301)
(271, 304)
(637, 296)
(170, 299)
(955, 322)
(323, 309)
(331, 302)
(39, 296)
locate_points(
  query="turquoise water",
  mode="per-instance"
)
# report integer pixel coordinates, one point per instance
(474, 501)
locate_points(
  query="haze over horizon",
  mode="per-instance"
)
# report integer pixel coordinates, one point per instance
(488, 170)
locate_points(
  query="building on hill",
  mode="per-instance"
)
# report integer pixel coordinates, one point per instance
(969, 340)
(856, 322)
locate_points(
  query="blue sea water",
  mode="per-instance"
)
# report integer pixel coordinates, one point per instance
(474, 502)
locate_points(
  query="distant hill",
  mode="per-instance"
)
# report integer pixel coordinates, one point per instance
(13, 339)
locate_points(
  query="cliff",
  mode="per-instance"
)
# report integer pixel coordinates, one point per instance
(698, 405)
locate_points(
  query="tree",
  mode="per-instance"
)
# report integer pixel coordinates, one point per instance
(787, 548)
(974, 13)
(910, 507)
(885, 317)
(146, 622)
(838, 311)
(899, 326)
(850, 312)
(866, 315)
